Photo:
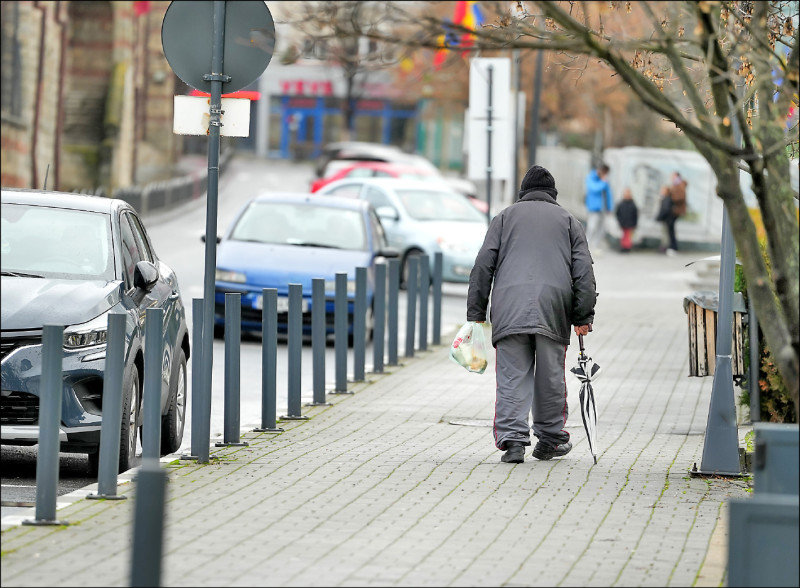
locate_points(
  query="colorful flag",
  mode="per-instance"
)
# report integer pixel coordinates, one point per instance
(443, 41)
(441, 52)
(468, 15)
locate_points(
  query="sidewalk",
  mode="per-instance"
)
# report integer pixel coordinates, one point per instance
(381, 488)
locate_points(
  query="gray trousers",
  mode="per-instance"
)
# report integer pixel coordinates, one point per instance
(530, 379)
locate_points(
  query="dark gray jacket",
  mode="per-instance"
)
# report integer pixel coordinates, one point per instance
(536, 254)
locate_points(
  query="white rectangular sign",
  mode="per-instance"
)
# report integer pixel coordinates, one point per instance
(192, 114)
(502, 119)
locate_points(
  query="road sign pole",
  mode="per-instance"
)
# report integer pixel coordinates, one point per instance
(215, 78)
(184, 38)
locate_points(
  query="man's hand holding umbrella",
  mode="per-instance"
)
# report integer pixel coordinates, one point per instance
(582, 329)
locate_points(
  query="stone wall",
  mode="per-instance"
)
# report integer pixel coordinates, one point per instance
(92, 95)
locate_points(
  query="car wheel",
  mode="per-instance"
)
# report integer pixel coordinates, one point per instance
(129, 430)
(370, 323)
(404, 273)
(219, 331)
(173, 422)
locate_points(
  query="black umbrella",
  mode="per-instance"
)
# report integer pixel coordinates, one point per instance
(586, 371)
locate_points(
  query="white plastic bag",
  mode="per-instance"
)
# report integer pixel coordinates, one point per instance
(469, 348)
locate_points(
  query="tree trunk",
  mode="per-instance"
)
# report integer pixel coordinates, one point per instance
(771, 316)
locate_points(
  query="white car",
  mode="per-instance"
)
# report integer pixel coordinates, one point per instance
(421, 218)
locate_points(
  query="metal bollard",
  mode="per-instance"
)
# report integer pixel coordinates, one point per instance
(50, 395)
(318, 340)
(112, 410)
(233, 343)
(198, 403)
(269, 361)
(411, 297)
(148, 525)
(380, 318)
(295, 334)
(424, 286)
(340, 334)
(151, 403)
(394, 290)
(359, 324)
(437, 297)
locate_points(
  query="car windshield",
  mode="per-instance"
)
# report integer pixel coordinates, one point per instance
(432, 205)
(298, 224)
(49, 242)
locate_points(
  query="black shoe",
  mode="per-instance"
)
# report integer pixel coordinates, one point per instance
(546, 451)
(514, 454)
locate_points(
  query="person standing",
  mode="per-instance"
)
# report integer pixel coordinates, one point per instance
(598, 203)
(675, 209)
(536, 264)
(627, 217)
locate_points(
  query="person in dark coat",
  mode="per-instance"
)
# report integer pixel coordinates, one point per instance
(535, 262)
(627, 217)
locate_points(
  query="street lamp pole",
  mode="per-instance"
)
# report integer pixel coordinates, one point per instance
(721, 447)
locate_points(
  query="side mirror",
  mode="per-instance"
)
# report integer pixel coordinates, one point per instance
(203, 239)
(387, 212)
(145, 276)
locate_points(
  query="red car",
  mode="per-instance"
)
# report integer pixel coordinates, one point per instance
(373, 169)
(378, 169)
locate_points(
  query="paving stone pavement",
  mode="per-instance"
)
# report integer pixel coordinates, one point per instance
(380, 489)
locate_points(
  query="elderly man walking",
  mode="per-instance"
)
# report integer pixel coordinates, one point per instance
(535, 262)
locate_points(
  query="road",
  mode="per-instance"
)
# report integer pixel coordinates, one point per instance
(176, 236)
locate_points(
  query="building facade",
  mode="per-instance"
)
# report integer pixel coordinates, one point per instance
(87, 95)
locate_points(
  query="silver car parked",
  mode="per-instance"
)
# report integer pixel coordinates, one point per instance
(421, 218)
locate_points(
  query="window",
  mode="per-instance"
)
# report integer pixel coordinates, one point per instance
(315, 49)
(130, 251)
(359, 172)
(141, 239)
(347, 191)
(299, 224)
(56, 242)
(377, 197)
(381, 242)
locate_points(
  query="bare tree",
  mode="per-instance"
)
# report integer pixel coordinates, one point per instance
(705, 66)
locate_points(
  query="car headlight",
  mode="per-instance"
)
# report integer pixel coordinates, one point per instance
(330, 286)
(87, 334)
(230, 276)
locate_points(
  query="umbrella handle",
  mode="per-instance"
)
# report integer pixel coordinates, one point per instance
(580, 340)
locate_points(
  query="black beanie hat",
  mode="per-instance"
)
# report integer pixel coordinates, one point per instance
(537, 177)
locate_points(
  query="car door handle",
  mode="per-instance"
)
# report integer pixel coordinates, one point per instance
(174, 295)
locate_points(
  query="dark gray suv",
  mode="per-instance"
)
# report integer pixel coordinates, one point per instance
(70, 260)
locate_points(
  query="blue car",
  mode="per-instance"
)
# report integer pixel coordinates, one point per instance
(70, 260)
(281, 239)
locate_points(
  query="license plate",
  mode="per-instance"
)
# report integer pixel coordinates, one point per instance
(283, 303)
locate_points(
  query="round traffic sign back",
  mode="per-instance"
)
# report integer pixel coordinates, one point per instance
(187, 35)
